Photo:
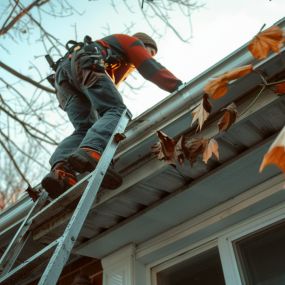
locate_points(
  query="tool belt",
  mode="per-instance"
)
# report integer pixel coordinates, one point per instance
(83, 64)
(86, 63)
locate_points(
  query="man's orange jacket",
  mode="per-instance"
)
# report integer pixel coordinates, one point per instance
(135, 56)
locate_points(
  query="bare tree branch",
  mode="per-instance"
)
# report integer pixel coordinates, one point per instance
(14, 162)
(26, 126)
(7, 138)
(48, 36)
(25, 78)
(10, 14)
(23, 12)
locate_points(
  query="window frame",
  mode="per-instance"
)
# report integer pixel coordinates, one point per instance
(225, 239)
(191, 252)
(229, 257)
(225, 243)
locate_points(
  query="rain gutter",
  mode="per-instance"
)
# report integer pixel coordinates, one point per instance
(162, 114)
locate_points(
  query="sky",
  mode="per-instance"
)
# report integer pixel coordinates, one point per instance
(217, 29)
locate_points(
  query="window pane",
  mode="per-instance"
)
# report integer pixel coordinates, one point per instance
(262, 256)
(204, 269)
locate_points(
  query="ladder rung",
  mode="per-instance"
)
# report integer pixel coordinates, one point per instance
(21, 269)
(20, 238)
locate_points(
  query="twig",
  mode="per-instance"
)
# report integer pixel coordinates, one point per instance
(276, 82)
(21, 96)
(23, 12)
(48, 35)
(21, 151)
(25, 78)
(14, 163)
(26, 125)
(262, 28)
(11, 13)
(254, 100)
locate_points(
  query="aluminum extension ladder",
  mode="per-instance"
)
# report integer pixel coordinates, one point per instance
(64, 244)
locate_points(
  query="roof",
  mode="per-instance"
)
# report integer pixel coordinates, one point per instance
(156, 197)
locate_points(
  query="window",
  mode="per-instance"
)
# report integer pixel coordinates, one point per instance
(203, 269)
(262, 256)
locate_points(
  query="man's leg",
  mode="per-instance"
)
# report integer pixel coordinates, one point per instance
(108, 102)
(106, 99)
(79, 113)
(62, 175)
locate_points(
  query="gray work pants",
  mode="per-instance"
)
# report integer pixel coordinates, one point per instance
(102, 96)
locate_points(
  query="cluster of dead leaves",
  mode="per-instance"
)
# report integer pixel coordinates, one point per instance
(172, 151)
(177, 151)
(216, 89)
(202, 112)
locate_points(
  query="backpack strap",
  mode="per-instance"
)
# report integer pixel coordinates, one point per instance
(72, 45)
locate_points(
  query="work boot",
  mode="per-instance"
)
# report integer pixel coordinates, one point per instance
(86, 159)
(61, 178)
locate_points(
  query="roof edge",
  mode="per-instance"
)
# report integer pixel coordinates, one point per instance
(161, 114)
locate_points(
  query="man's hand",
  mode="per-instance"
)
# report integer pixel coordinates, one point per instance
(181, 86)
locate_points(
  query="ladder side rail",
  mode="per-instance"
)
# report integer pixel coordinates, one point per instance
(27, 264)
(68, 239)
(15, 247)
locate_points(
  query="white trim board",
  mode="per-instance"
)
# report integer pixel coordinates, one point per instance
(224, 241)
(215, 215)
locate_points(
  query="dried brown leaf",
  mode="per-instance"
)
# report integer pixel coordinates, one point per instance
(264, 42)
(164, 149)
(201, 112)
(218, 87)
(179, 152)
(228, 118)
(119, 137)
(279, 88)
(194, 147)
(276, 153)
(212, 148)
(238, 72)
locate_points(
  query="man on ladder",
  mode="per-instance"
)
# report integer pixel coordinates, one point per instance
(86, 79)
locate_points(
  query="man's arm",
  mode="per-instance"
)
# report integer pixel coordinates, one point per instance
(148, 67)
